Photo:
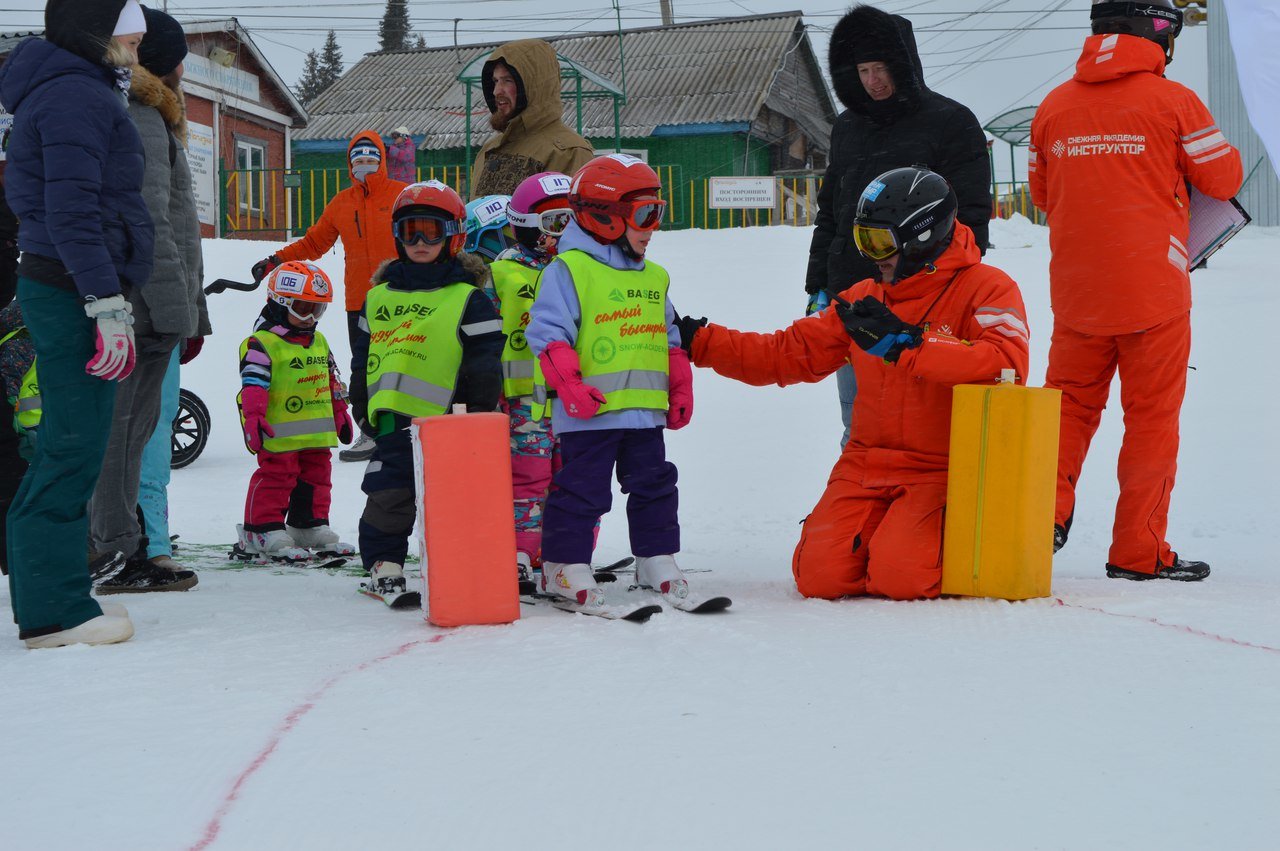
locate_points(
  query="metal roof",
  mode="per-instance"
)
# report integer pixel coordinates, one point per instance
(706, 72)
(8, 41)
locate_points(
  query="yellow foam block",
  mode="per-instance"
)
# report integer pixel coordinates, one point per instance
(1000, 491)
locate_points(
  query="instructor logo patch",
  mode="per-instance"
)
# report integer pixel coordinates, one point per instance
(293, 404)
(603, 351)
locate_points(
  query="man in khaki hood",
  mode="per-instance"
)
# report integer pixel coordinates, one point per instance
(521, 84)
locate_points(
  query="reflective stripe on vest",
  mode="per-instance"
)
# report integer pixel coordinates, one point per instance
(414, 348)
(516, 286)
(622, 335)
(299, 401)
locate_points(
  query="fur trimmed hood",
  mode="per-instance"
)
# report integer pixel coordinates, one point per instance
(867, 34)
(149, 90)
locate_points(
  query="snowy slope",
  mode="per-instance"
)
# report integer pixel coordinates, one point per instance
(284, 711)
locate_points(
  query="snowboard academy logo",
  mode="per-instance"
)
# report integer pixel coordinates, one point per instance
(293, 404)
(373, 364)
(517, 340)
(382, 314)
(603, 350)
(527, 291)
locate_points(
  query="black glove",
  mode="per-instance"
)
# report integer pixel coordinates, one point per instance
(358, 399)
(876, 329)
(263, 267)
(688, 327)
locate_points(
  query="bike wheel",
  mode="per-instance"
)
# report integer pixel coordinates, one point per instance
(190, 429)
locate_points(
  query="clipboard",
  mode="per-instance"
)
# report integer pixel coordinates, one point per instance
(1213, 223)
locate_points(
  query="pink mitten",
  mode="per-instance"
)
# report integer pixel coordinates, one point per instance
(679, 389)
(342, 421)
(253, 411)
(563, 372)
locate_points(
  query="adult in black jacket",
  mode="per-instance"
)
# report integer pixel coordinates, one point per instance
(908, 125)
(891, 120)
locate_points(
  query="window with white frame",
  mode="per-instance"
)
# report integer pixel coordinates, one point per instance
(251, 162)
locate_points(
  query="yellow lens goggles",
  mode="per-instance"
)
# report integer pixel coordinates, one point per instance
(875, 243)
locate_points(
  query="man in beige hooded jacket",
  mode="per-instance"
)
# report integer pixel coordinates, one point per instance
(521, 84)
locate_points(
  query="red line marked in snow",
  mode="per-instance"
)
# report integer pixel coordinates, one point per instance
(212, 829)
(1225, 639)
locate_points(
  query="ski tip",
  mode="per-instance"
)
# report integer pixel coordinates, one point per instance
(642, 614)
(715, 604)
(626, 561)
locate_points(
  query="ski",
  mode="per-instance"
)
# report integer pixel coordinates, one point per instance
(322, 560)
(692, 603)
(634, 613)
(397, 600)
(603, 573)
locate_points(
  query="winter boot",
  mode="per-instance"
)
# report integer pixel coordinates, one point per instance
(1181, 570)
(105, 565)
(662, 575)
(387, 578)
(140, 576)
(1059, 536)
(276, 545)
(361, 450)
(104, 629)
(320, 539)
(575, 582)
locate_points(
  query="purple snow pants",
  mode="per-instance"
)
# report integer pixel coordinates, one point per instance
(582, 492)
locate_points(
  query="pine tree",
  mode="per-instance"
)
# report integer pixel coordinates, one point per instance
(393, 32)
(309, 86)
(330, 69)
(421, 42)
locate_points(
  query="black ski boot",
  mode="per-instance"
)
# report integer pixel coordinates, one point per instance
(1181, 570)
(1059, 537)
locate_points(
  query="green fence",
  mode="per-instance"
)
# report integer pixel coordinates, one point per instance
(259, 201)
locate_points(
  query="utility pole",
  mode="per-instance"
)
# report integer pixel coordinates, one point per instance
(668, 16)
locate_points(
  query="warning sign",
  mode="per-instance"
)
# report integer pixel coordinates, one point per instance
(742, 193)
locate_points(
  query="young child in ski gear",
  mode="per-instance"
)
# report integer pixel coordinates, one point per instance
(603, 331)
(937, 317)
(538, 213)
(19, 420)
(293, 413)
(488, 231)
(427, 339)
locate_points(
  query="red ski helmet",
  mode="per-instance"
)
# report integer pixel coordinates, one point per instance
(432, 211)
(602, 197)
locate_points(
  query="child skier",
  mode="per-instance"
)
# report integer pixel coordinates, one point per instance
(292, 412)
(538, 213)
(604, 333)
(426, 339)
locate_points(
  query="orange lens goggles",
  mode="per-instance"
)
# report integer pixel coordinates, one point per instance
(875, 242)
(428, 229)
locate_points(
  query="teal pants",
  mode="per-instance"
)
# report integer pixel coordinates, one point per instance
(48, 523)
(153, 487)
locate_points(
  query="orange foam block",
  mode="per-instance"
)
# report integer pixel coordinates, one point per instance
(464, 499)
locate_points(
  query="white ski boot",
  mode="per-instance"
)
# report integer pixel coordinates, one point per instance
(321, 540)
(275, 545)
(663, 575)
(387, 583)
(574, 582)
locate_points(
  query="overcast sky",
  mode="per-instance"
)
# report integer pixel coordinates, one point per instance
(991, 55)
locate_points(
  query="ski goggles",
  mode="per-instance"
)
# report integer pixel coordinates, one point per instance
(550, 222)
(302, 310)
(641, 213)
(875, 242)
(428, 229)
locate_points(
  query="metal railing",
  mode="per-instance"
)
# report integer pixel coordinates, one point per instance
(292, 200)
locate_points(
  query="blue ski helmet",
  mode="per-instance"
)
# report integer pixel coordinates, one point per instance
(488, 232)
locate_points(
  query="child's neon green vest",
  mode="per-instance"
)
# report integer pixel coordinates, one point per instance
(516, 285)
(414, 350)
(622, 334)
(27, 406)
(299, 401)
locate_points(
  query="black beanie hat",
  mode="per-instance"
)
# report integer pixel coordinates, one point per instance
(83, 27)
(164, 46)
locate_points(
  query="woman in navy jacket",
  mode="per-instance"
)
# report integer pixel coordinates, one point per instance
(74, 179)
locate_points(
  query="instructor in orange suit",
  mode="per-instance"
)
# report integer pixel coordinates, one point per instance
(937, 317)
(1112, 152)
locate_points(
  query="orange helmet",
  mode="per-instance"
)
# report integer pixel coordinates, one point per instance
(431, 212)
(602, 197)
(301, 288)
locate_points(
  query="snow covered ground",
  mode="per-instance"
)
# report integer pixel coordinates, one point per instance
(266, 710)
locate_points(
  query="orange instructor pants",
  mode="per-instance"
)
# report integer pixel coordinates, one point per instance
(1153, 380)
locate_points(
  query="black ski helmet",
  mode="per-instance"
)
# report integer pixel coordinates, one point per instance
(909, 211)
(1154, 20)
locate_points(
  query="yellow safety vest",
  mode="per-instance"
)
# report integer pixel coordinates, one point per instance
(517, 286)
(622, 334)
(414, 349)
(299, 401)
(26, 406)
